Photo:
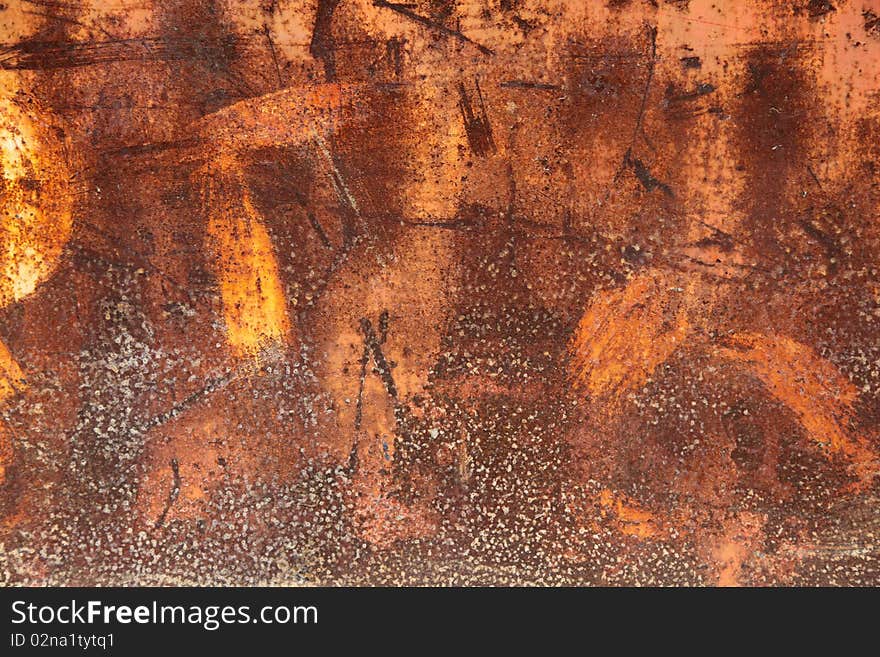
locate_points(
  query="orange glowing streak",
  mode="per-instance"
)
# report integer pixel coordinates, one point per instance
(36, 214)
(11, 376)
(35, 223)
(254, 305)
(623, 337)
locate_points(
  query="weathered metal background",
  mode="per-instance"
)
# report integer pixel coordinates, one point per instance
(475, 291)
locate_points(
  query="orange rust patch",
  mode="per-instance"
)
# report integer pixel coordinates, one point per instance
(254, 303)
(624, 335)
(36, 205)
(631, 519)
(35, 223)
(461, 179)
(812, 388)
(736, 546)
(290, 116)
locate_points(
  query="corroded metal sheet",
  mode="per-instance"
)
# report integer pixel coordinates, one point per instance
(440, 292)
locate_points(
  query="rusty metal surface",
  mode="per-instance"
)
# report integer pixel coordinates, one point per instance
(440, 292)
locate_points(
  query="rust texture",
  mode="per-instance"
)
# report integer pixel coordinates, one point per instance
(440, 292)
